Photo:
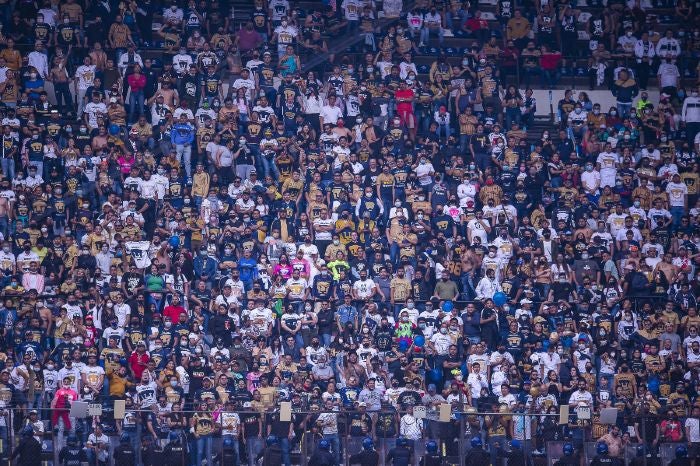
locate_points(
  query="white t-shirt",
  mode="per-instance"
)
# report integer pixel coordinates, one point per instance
(676, 194)
(94, 110)
(330, 114)
(92, 374)
(693, 425)
(86, 76)
(579, 397)
(363, 288)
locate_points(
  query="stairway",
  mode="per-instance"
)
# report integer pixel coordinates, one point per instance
(242, 12)
(540, 124)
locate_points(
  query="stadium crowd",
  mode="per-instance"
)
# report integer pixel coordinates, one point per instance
(206, 215)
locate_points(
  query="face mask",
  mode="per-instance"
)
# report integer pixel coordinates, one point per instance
(596, 112)
(284, 24)
(584, 256)
(694, 94)
(581, 346)
(50, 367)
(443, 330)
(613, 112)
(336, 242)
(410, 305)
(589, 168)
(578, 110)
(168, 324)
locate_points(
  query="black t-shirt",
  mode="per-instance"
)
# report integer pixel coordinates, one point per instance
(251, 424)
(279, 428)
(561, 290)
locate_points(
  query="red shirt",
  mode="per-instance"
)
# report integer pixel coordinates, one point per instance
(137, 83)
(138, 363)
(550, 61)
(404, 94)
(173, 312)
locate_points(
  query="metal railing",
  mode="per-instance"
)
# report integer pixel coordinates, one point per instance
(453, 436)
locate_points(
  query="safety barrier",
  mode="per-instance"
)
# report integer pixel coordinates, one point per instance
(451, 430)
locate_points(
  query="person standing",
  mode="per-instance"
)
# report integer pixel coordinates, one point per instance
(28, 452)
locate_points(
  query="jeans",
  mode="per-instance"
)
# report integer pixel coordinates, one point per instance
(512, 116)
(235, 448)
(81, 101)
(135, 104)
(468, 292)
(493, 450)
(268, 167)
(4, 438)
(184, 151)
(550, 78)
(334, 440)
(444, 130)
(285, 446)
(254, 445)
(5, 227)
(243, 171)
(623, 109)
(676, 214)
(204, 449)
(8, 168)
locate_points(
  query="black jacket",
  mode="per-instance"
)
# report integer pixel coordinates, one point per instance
(365, 458)
(29, 452)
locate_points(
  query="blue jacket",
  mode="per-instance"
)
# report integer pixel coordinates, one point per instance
(204, 266)
(182, 133)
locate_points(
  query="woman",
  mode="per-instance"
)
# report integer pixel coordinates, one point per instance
(552, 383)
(166, 374)
(512, 102)
(202, 427)
(137, 84)
(276, 352)
(283, 268)
(560, 266)
(543, 275)
(289, 63)
(312, 109)
(241, 102)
